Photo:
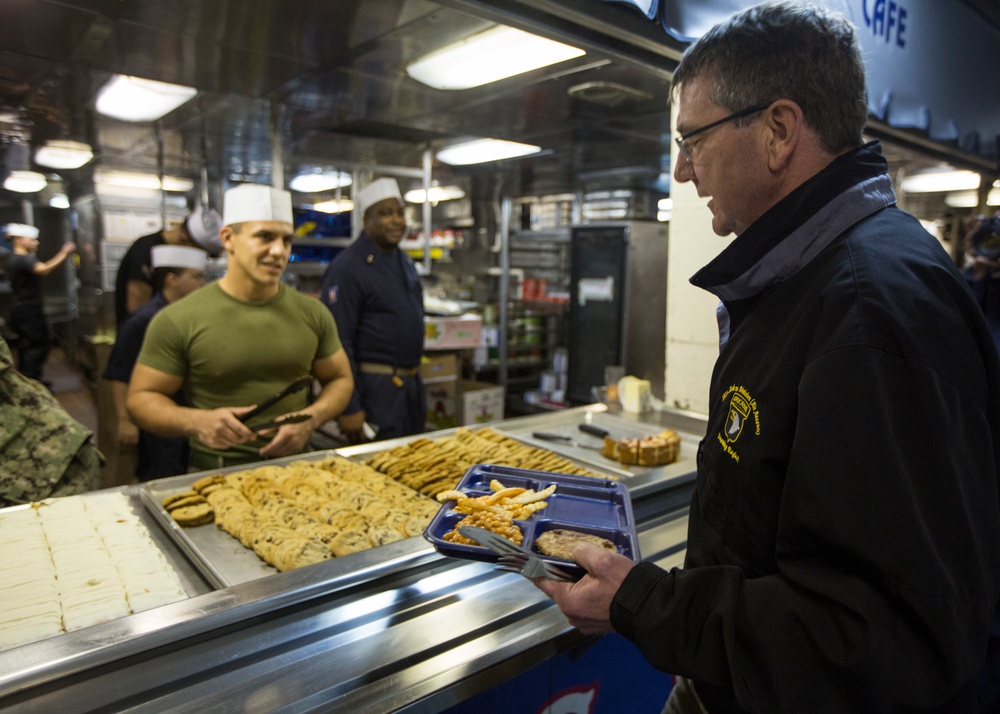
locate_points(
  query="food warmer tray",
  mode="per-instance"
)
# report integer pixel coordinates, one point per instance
(219, 557)
(566, 423)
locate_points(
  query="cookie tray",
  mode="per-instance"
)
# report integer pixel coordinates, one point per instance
(219, 557)
(599, 507)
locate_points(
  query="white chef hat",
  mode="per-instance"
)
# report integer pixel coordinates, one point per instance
(256, 202)
(20, 230)
(203, 226)
(376, 191)
(178, 256)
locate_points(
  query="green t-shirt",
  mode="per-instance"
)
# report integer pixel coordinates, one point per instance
(233, 353)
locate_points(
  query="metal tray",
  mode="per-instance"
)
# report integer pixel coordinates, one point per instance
(600, 507)
(219, 557)
(567, 424)
(363, 452)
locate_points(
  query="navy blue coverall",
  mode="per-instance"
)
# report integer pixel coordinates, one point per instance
(377, 303)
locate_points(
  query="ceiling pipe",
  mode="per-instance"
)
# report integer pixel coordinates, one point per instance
(428, 160)
(277, 148)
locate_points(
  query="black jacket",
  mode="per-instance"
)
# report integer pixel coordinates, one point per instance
(844, 535)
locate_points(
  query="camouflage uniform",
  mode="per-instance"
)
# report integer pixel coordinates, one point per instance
(43, 451)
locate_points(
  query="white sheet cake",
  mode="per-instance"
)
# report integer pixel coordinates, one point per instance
(74, 562)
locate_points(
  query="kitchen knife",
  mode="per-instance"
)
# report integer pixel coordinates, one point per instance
(568, 440)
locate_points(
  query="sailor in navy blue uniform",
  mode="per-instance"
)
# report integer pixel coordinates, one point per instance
(373, 290)
(177, 271)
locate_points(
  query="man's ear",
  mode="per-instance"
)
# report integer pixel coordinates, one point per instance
(226, 236)
(785, 122)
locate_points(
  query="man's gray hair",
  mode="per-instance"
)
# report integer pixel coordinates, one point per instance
(785, 50)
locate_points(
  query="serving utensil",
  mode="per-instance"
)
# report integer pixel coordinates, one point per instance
(568, 440)
(515, 558)
(297, 385)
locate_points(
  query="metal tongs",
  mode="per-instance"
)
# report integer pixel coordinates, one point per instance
(297, 385)
(563, 438)
(514, 558)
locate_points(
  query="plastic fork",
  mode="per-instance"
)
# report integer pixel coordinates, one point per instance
(513, 557)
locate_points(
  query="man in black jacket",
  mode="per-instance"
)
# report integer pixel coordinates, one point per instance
(844, 535)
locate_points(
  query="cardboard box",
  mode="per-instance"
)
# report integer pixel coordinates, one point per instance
(442, 404)
(447, 333)
(439, 367)
(481, 402)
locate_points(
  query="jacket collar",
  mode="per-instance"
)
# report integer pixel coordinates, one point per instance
(796, 229)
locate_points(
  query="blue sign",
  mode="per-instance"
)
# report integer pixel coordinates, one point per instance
(931, 65)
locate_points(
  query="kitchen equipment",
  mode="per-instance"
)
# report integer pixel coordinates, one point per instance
(295, 386)
(617, 292)
(594, 430)
(281, 421)
(568, 440)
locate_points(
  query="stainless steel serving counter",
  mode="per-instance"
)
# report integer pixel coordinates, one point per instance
(395, 628)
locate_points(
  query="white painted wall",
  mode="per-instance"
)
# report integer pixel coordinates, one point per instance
(692, 331)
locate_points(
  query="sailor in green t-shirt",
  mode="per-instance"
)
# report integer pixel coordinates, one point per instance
(236, 343)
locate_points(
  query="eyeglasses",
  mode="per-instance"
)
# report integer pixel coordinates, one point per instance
(682, 140)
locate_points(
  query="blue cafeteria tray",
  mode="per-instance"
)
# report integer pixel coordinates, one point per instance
(597, 506)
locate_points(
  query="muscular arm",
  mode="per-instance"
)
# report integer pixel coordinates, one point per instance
(152, 407)
(128, 433)
(337, 384)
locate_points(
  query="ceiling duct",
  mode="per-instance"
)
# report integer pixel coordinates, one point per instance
(610, 94)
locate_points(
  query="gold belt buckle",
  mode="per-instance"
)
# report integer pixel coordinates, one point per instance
(397, 380)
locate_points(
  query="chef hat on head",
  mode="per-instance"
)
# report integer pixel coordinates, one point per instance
(178, 256)
(377, 191)
(256, 202)
(20, 230)
(203, 226)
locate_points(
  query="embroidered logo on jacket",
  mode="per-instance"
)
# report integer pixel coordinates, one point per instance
(742, 408)
(331, 295)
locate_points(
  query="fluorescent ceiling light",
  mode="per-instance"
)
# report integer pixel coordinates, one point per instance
(481, 150)
(334, 206)
(130, 179)
(495, 54)
(437, 194)
(136, 99)
(25, 181)
(970, 199)
(59, 200)
(63, 154)
(319, 181)
(935, 181)
(665, 204)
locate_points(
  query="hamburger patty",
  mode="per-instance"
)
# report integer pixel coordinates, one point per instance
(562, 543)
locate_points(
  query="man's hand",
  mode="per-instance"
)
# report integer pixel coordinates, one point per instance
(221, 428)
(587, 603)
(352, 426)
(289, 439)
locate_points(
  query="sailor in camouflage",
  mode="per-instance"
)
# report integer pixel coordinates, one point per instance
(44, 452)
